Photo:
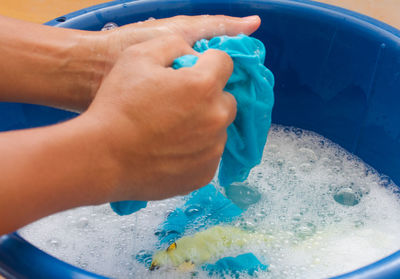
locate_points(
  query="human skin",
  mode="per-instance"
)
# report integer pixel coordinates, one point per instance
(64, 68)
(151, 132)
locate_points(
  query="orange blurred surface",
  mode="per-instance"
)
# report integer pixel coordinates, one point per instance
(41, 11)
(385, 10)
(44, 10)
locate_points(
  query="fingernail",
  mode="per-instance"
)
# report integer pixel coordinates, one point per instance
(252, 18)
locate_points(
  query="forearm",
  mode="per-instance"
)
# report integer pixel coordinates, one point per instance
(64, 68)
(50, 66)
(46, 170)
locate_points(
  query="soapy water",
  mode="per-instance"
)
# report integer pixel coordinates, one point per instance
(325, 213)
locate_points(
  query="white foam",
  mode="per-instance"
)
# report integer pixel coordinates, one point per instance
(326, 210)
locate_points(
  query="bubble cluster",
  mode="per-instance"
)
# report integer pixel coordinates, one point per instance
(324, 211)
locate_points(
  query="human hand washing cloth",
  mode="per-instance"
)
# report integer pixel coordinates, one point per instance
(251, 83)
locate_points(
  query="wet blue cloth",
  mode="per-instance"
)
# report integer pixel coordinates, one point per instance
(127, 207)
(233, 266)
(251, 84)
(203, 208)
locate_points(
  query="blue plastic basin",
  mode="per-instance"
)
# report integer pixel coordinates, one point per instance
(337, 73)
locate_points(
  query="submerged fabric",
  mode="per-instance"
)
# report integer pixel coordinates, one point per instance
(127, 207)
(251, 83)
(200, 249)
(235, 265)
(204, 208)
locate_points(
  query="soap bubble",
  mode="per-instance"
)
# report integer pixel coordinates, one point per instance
(82, 222)
(54, 243)
(242, 194)
(194, 210)
(347, 196)
(109, 26)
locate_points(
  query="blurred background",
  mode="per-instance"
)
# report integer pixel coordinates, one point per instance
(41, 11)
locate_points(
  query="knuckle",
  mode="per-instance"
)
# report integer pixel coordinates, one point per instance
(207, 79)
(203, 83)
(221, 117)
(223, 57)
(192, 82)
(232, 100)
(174, 40)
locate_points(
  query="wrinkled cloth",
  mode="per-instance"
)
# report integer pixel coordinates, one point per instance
(203, 209)
(251, 83)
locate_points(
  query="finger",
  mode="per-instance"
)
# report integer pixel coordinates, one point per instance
(194, 28)
(191, 28)
(163, 50)
(214, 66)
(231, 106)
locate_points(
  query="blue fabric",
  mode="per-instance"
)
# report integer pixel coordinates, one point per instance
(251, 84)
(127, 207)
(235, 265)
(204, 208)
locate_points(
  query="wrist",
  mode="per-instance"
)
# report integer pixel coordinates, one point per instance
(51, 66)
(104, 170)
(88, 63)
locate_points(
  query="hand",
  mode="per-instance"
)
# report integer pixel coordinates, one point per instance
(152, 132)
(64, 67)
(191, 28)
(165, 129)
